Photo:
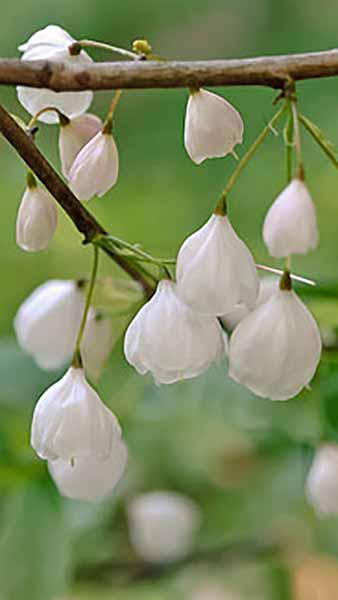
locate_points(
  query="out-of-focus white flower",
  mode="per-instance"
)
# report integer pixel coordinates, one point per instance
(322, 480)
(212, 126)
(267, 286)
(37, 219)
(170, 340)
(89, 478)
(95, 168)
(74, 135)
(162, 525)
(70, 421)
(276, 349)
(52, 43)
(97, 343)
(48, 321)
(290, 226)
(215, 270)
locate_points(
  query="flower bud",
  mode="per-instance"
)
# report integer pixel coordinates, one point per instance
(70, 421)
(97, 343)
(37, 219)
(212, 126)
(275, 350)
(290, 226)
(322, 480)
(215, 270)
(74, 135)
(88, 478)
(162, 525)
(47, 323)
(170, 340)
(95, 168)
(52, 43)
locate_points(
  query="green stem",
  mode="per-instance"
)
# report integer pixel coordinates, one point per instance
(288, 139)
(297, 139)
(319, 137)
(104, 46)
(221, 206)
(108, 124)
(104, 242)
(143, 255)
(77, 361)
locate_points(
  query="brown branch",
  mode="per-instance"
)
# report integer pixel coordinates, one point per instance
(269, 71)
(81, 217)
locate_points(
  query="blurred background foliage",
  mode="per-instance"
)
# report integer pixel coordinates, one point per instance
(242, 459)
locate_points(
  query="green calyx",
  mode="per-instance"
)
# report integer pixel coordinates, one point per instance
(285, 283)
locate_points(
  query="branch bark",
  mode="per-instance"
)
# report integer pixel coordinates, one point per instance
(271, 71)
(81, 217)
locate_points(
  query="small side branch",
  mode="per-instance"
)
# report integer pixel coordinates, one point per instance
(271, 71)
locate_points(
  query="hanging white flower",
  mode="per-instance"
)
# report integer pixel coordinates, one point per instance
(162, 525)
(275, 350)
(95, 168)
(97, 343)
(213, 126)
(37, 218)
(52, 43)
(215, 270)
(170, 340)
(74, 135)
(290, 226)
(70, 421)
(89, 478)
(48, 321)
(267, 286)
(322, 480)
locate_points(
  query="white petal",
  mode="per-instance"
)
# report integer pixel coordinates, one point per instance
(267, 287)
(276, 349)
(215, 270)
(290, 226)
(47, 323)
(74, 136)
(88, 478)
(322, 480)
(212, 126)
(52, 35)
(95, 168)
(162, 525)
(70, 421)
(36, 220)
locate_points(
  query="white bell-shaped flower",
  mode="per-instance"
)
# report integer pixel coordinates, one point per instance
(290, 226)
(70, 421)
(267, 286)
(162, 525)
(276, 349)
(48, 321)
(170, 340)
(89, 478)
(52, 43)
(95, 168)
(213, 126)
(97, 343)
(322, 480)
(37, 219)
(215, 270)
(74, 135)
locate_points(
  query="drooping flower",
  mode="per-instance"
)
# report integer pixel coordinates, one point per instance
(290, 226)
(53, 44)
(215, 270)
(70, 421)
(48, 321)
(275, 350)
(322, 480)
(212, 126)
(88, 478)
(162, 525)
(74, 135)
(267, 286)
(37, 218)
(97, 343)
(170, 340)
(95, 168)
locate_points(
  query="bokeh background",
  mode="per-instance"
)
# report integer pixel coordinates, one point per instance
(242, 459)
